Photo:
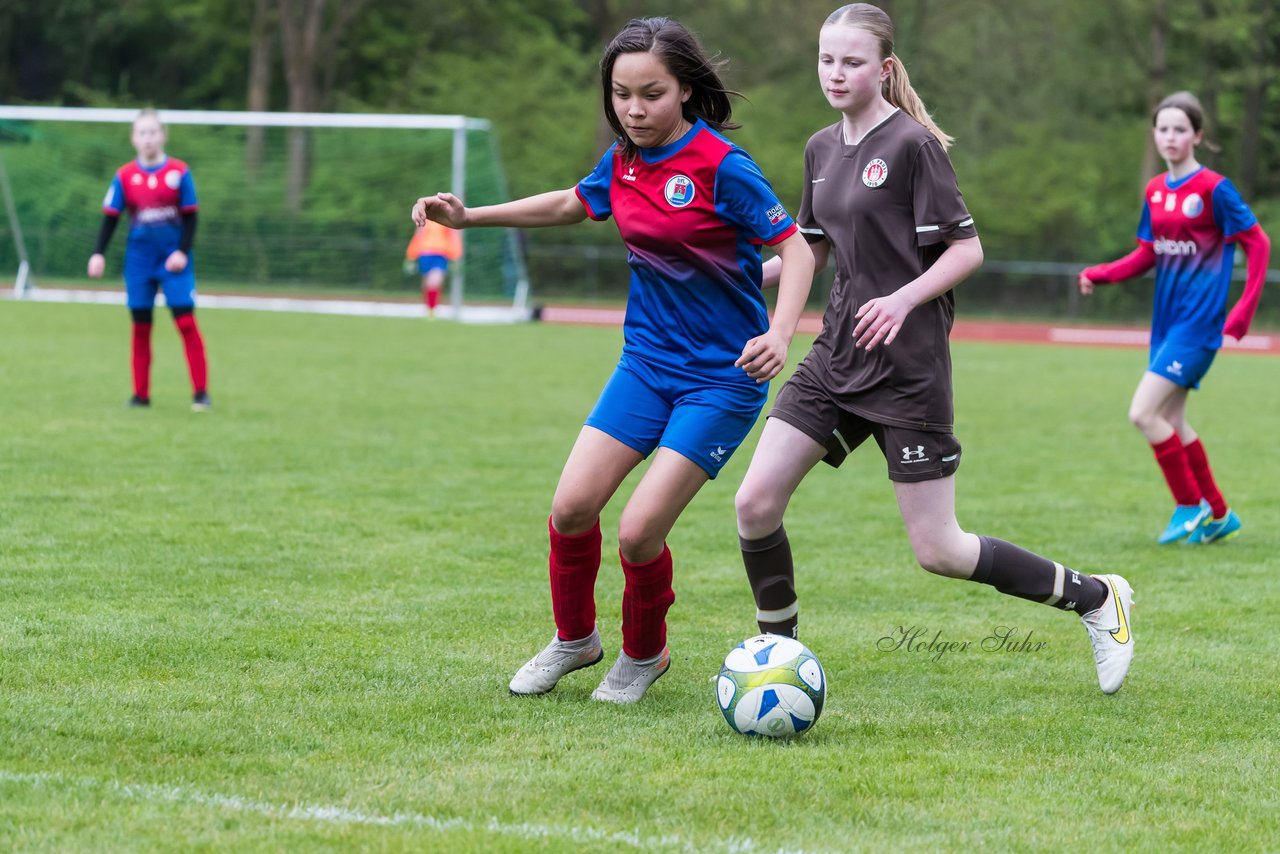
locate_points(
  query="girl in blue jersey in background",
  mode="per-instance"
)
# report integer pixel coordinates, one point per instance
(1192, 219)
(693, 211)
(160, 196)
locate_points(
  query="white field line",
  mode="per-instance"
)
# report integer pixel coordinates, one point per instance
(343, 816)
(361, 308)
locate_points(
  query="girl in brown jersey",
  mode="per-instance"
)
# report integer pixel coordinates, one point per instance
(880, 194)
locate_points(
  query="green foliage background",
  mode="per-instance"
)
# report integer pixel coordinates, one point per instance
(1048, 101)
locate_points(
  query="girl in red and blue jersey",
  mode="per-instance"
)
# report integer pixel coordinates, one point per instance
(160, 196)
(693, 210)
(1192, 220)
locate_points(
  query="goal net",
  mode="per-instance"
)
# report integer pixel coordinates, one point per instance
(290, 203)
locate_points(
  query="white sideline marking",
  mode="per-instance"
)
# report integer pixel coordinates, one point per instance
(345, 816)
(361, 308)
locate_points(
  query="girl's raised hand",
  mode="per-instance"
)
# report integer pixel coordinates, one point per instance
(444, 208)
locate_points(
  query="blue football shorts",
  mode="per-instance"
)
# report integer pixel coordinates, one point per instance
(1179, 363)
(427, 263)
(145, 275)
(705, 423)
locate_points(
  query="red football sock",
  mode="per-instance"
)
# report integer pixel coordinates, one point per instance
(645, 601)
(1172, 458)
(194, 346)
(433, 298)
(574, 562)
(142, 360)
(1199, 462)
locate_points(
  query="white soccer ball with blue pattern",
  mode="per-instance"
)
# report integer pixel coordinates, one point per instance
(771, 685)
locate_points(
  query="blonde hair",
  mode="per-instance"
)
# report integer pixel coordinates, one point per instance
(897, 87)
(149, 113)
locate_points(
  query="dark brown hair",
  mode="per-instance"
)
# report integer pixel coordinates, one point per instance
(682, 55)
(1190, 105)
(1186, 102)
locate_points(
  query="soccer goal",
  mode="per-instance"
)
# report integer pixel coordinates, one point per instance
(290, 203)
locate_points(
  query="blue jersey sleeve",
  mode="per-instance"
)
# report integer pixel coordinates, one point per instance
(114, 202)
(745, 199)
(1229, 210)
(1144, 224)
(593, 190)
(187, 193)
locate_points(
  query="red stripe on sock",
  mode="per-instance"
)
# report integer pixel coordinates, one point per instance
(141, 351)
(1199, 462)
(194, 345)
(1172, 458)
(645, 601)
(574, 562)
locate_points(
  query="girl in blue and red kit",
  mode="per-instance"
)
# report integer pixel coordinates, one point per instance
(693, 210)
(1192, 220)
(160, 196)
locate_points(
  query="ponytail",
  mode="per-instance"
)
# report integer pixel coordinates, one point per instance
(897, 91)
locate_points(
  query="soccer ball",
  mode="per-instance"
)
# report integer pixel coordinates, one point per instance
(771, 685)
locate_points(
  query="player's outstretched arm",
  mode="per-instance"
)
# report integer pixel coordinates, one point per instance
(1136, 263)
(558, 207)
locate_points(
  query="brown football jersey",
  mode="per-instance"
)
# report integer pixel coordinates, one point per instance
(886, 205)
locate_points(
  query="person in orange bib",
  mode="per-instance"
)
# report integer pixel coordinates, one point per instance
(433, 247)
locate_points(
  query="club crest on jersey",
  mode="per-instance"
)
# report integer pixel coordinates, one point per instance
(875, 173)
(679, 191)
(172, 179)
(1192, 206)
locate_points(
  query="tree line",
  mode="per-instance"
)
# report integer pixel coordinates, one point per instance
(1049, 101)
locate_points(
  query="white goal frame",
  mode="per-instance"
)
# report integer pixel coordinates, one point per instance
(24, 283)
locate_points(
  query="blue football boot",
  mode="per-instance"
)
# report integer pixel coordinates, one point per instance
(1184, 522)
(1215, 530)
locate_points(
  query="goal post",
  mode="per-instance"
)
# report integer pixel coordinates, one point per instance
(288, 201)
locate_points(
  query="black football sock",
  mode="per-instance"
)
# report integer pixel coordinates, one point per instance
(772, 577)
(1021, 573)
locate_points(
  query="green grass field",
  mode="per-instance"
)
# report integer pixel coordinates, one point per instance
(289, 624)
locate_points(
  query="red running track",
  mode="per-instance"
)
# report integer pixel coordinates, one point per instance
(964, 330)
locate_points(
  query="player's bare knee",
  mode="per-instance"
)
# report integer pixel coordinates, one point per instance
(638, 542)
(1141, 417)
(757, 511)
(571, 516)
(938, 559)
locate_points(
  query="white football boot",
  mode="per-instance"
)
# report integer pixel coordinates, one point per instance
(1111, 634)
(629, 678)
(541, 673)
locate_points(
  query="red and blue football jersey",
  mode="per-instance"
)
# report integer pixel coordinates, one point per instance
(693, 215)
(156, 198)
(1192, 225)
